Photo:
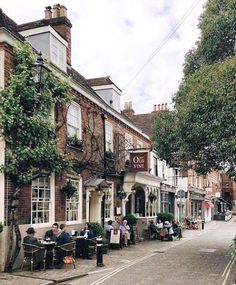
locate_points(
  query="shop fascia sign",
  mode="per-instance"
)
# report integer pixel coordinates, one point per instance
(139, 161)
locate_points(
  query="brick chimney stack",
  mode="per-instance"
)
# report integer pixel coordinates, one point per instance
(160, 107)
(48, 12)
(128, 110)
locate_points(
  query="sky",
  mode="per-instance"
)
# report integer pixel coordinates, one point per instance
(140, 44)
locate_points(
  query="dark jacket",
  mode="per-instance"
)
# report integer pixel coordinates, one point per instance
(39, 255)
(49, 234)
(63, 238)
(90, 233)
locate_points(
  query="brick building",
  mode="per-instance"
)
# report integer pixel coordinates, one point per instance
(92, 121)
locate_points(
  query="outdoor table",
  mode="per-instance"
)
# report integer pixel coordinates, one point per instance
(49, 251)
(82, 246)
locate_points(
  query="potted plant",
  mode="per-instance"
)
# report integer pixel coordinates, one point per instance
(109, 154)
(1, 227)
(165, 216)
(68, 189)
(97, 229)
(74, 141)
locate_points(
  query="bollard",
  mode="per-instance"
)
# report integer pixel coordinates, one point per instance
(99, 253)
(203, 225)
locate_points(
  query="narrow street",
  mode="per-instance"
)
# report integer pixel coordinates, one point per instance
(201, 257)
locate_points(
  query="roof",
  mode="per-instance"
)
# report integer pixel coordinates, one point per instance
(10, 25)
(144, 122)
(101, 81)
(96, 182)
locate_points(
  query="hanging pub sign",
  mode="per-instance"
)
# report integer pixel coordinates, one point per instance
(139, 161)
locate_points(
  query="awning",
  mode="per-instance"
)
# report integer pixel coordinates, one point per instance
(208, 204)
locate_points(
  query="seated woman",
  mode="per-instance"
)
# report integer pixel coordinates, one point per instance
(85, 245)
(86, 232)
(39, 255)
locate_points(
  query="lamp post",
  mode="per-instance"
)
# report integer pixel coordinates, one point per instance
(40, 73)
(104, 116)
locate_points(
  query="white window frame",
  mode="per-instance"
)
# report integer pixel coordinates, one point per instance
(50, 187)
(74, 201)
(109, 203)
(109, 136)
(74, 121)
(58, 53)
(128, 141)
(139, 144)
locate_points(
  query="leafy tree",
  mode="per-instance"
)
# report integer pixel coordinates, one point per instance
(28, 130)
(202, 128)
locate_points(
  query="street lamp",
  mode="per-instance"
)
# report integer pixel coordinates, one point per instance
(40, 73)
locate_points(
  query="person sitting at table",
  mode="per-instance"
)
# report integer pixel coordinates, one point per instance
(50, 233)
(39, 255)
(125, 232)
(63, 228)
(87, 232)
(61, 238)
(152, 229)
(108, 229)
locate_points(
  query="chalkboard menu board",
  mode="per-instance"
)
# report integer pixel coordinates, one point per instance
(135, 232)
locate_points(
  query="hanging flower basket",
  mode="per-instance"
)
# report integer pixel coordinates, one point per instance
(152, 197)
(68, 189)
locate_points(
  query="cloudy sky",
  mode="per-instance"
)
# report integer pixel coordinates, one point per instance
(140, 44)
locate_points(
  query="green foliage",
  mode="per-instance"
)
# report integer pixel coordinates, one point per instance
(131, 219)
(202, 128)
(97, 229)
(165, 216)
(1, 227)
(25, 123)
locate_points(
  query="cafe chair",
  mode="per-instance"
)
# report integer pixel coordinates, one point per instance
(30, 255)
(68, 251)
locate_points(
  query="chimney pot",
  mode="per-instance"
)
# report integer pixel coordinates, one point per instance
(155, 107)
(48, 12)
(56, 11)
(63, 11)
(165, 106)
(162, 106)
(158, 107)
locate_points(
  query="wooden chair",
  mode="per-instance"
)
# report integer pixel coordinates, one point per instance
(30, 253)
(68, 251)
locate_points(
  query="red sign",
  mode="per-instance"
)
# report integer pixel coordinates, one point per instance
(139, 161)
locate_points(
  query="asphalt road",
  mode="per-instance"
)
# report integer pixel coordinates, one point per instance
(201, 257)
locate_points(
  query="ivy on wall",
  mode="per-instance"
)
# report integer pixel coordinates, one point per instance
(25, 122)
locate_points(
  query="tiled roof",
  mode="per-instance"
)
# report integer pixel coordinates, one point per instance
(101, 81)
(9, 24)
(144, 122)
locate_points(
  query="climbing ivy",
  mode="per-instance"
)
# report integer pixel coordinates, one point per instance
(25, 121)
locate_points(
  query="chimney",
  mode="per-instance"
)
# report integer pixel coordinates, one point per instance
(158, 107)
(63, 26)
(165, 106)
(63, 11)
(56, 11)
(48, 12)
(155, 108)
(128, 110)
(162, 107)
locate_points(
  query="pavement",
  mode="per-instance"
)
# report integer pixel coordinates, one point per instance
(114, 259)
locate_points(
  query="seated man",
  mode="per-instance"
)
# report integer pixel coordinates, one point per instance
(61, 238)
(50, 234)
(125, 231)
(39, 255)
(152, 230)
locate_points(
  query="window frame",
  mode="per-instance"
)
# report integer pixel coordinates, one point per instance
(77, 127)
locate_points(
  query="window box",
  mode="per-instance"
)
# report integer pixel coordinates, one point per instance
(74, 142)
(110, 155)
